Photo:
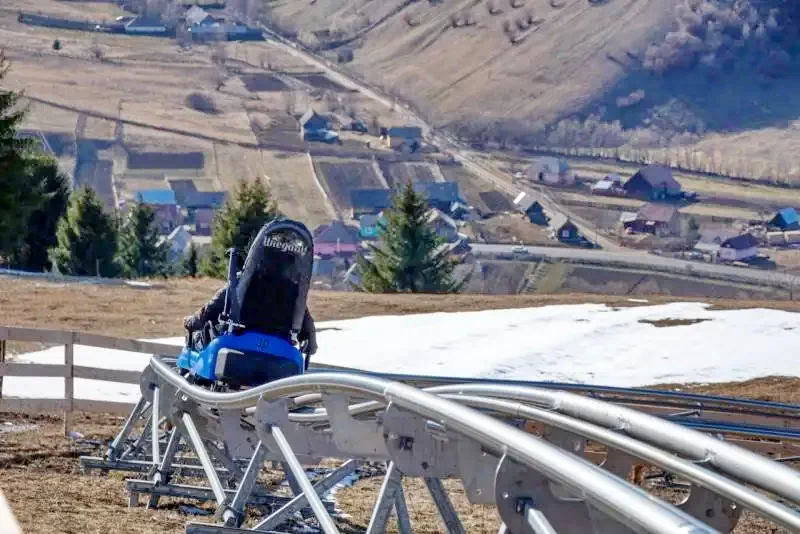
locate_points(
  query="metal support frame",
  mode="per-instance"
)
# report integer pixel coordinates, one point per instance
(154, 420)
(391, 491)
(538, 485)
(233, 516)
(445, 507)
(161, 473)
(325, 521)
(113, 451)
(205, 459)
(280, 516)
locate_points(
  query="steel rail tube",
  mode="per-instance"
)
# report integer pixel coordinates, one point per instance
(744, 496)
(154, 424)
(736, 461)
(435, 381)
(734, 491)
(627, 504)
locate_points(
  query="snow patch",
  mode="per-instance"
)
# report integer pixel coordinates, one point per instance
(586, 343)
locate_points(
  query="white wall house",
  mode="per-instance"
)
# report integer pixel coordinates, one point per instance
(741, 247)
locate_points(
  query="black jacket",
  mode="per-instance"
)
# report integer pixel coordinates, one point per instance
(212, 309)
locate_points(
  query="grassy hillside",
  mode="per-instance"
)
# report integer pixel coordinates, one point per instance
(560, 64)
(716, 78)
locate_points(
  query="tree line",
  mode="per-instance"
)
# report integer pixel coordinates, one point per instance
(46, 226)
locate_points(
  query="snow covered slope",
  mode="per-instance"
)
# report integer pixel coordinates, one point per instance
(597, 344)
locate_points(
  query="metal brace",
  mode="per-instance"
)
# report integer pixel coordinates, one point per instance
(415, 449)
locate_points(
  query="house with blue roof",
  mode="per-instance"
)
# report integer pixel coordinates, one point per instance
(164, 205)
(369, 201)
(369, 226)
(440, 195)
(153, 197)
(785, 219)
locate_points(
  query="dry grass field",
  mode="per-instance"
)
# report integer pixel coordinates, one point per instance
(291, 178)
(137, 93)
(478, 70)
(39, 465)
(585, 55)
(340, 175)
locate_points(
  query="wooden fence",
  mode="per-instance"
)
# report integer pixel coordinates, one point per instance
(69, 371)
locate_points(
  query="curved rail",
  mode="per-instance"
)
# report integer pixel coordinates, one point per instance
(736, 461)
(620, 500)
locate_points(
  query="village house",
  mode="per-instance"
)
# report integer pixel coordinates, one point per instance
(440, 195)
(661, 220)
(146, 25)
(407, 138)
(181, 187)
(531, 208)
(369, 226)
(203, 200)
(551, 171)
(563, 229)
(323, 268)
(369, 201)
(711, 240)
(611, 185)
(784, 220)
(164, 206)
(444, 226)
(653, 182)
(740, 248)
(314, 127)
(176, 243)
(335, 239)
(197, 16)
(203, 221)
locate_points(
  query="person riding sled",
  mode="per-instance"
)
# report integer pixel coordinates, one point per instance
(269, 292)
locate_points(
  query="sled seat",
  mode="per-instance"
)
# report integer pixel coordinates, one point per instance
(244, 360)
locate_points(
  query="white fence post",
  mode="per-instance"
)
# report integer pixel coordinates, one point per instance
(2, 360)
(68, 385)
(8, 523)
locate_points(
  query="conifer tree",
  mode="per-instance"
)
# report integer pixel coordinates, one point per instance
(237, 223)
(32, 253)
(86, 238)
(190, 267)
(20, 195)
(409, 256)
(140, 253)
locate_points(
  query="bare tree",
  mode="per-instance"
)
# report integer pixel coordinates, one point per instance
(219, 55)
(266, 60)
(289, 102)
(220, 77)
(97, 51)
(375, 124)
(331, 101)
(183, 37)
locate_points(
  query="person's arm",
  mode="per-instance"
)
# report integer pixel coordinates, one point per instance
(308, 332)
(209, 312)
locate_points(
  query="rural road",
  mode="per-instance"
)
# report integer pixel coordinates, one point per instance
(645, 261)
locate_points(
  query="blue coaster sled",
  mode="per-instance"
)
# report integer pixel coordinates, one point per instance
(243, 360)
(272, 294)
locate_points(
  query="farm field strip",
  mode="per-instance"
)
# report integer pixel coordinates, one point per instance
(341, 176)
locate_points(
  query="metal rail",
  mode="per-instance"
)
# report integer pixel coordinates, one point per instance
(466, 431)
(621, 501)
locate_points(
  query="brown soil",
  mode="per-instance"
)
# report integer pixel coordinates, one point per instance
(666, 323)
